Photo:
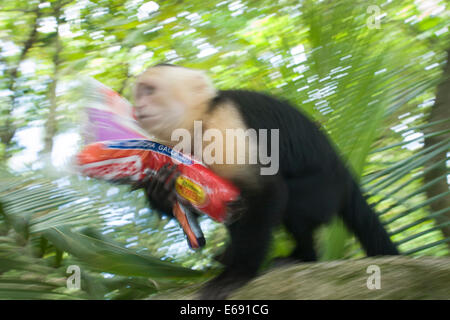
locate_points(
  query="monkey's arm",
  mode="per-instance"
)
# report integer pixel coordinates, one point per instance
(160, 189)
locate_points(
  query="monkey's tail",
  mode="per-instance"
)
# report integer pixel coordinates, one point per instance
(363, 221)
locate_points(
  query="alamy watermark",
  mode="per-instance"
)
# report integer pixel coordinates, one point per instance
(374, 20)
(234, 146)
(374, 280)
(74, 280)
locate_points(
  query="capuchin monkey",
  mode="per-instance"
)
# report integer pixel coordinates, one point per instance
(311, 186)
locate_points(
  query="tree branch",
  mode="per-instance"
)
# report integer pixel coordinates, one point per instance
(9, 129)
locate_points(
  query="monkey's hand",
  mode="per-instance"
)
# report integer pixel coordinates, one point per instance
(160, 189)
(235, 209)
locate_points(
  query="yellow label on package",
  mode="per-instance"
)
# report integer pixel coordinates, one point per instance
(190, 191)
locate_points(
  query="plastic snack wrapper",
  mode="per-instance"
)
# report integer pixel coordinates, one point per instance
(118, 150)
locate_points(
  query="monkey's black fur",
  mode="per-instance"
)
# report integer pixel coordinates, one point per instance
(160, 189)
(311, 186)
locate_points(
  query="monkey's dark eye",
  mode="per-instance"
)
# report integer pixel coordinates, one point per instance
(146, 90)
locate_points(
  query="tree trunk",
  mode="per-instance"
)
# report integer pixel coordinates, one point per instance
(51, 123)
(440, 111)
(8, 129)
(396, 278)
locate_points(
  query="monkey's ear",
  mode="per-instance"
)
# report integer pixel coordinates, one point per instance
(202, 83)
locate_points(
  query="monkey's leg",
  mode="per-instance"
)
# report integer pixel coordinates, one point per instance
(250, 238)
(303, 235)
(313, 200)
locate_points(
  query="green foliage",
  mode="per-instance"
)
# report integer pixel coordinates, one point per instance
(370, 89)
(52, 220)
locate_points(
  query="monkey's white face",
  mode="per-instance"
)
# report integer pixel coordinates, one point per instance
(167, 98)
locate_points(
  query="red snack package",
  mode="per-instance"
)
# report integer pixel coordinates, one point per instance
(133, 159)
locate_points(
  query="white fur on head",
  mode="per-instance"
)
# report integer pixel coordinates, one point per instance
(178, 97)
